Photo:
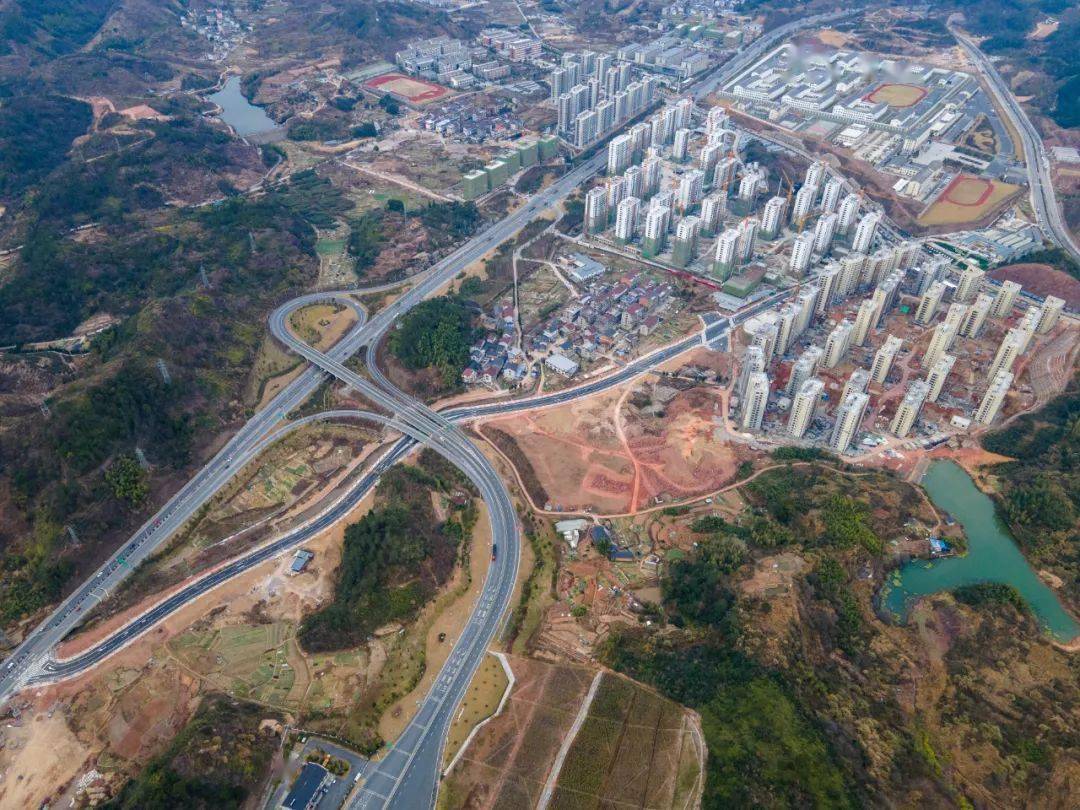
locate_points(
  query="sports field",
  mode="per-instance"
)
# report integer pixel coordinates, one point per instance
(414, 91)
(897, 95)
(967, 199)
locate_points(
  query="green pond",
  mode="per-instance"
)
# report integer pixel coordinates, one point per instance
(993, 556)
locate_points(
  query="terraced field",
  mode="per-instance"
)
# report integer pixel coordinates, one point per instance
(635, 748)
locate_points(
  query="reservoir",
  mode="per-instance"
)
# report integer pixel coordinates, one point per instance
(993, 556)
(239, 113)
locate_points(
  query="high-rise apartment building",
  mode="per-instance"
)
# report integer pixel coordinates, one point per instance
(712, 208)
(684, 247)
(726, 255)
(626, 216)
(652, 240)
(883, 358)
(993, 398)
(827, 288)
(970, 283)
(748, 229)
(938, 374)
(976, 315)
(849, 209)
(755, 401)
(596, 215)
(815, 174)
(691, 187)
(1048, 314)
(837, 343)
(803, 368)
(865, 232)
(772, 215)
(803, 406)
(753, 361)
(824, 231)
(907, 412)
(1004, 300)
(864, 321)
(1009, 349)
(940, 342)
(928, 304)
(802, 251)
(830, 197)
(619, 154)
(857, 382)
(680, 146)
(804, 204)
(848, 418)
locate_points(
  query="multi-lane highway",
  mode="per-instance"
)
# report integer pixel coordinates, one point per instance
(1043, 198)
(407, 776)
(27, 660)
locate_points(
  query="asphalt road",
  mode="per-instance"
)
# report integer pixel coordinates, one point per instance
(1043, 197)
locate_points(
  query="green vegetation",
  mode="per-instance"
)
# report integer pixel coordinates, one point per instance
(435, 334)
(51, 27)
(366, 239)
(696, 586)
(312, 197)
(1007, 24)
(147, 273)
(990, 593)
(794, 497)
(128, 480)
(216, 761)
(763, 752)
(35, 135)
(804, 693)
(802, 454)
(830, 583)
(450, 222)
(139, 178)
(394, 559)
(1039, 492)
(445, 224)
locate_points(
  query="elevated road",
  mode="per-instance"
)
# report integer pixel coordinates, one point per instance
(1041, 185)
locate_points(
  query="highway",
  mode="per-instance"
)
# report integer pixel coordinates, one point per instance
(408, 775)
(1043, 197)
(28, 659)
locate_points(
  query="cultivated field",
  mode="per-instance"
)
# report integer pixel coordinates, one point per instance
(635, 749)
(967, 199)
(508, 761)
(259, 662)
(897, 95)
(414, 91)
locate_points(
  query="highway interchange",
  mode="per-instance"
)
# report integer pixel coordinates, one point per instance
(407, 776)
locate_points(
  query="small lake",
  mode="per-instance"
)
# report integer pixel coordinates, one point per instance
(239, 113)
(993, 556)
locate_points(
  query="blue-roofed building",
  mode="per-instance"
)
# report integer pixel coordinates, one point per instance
(307, 790)
(300, 560)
